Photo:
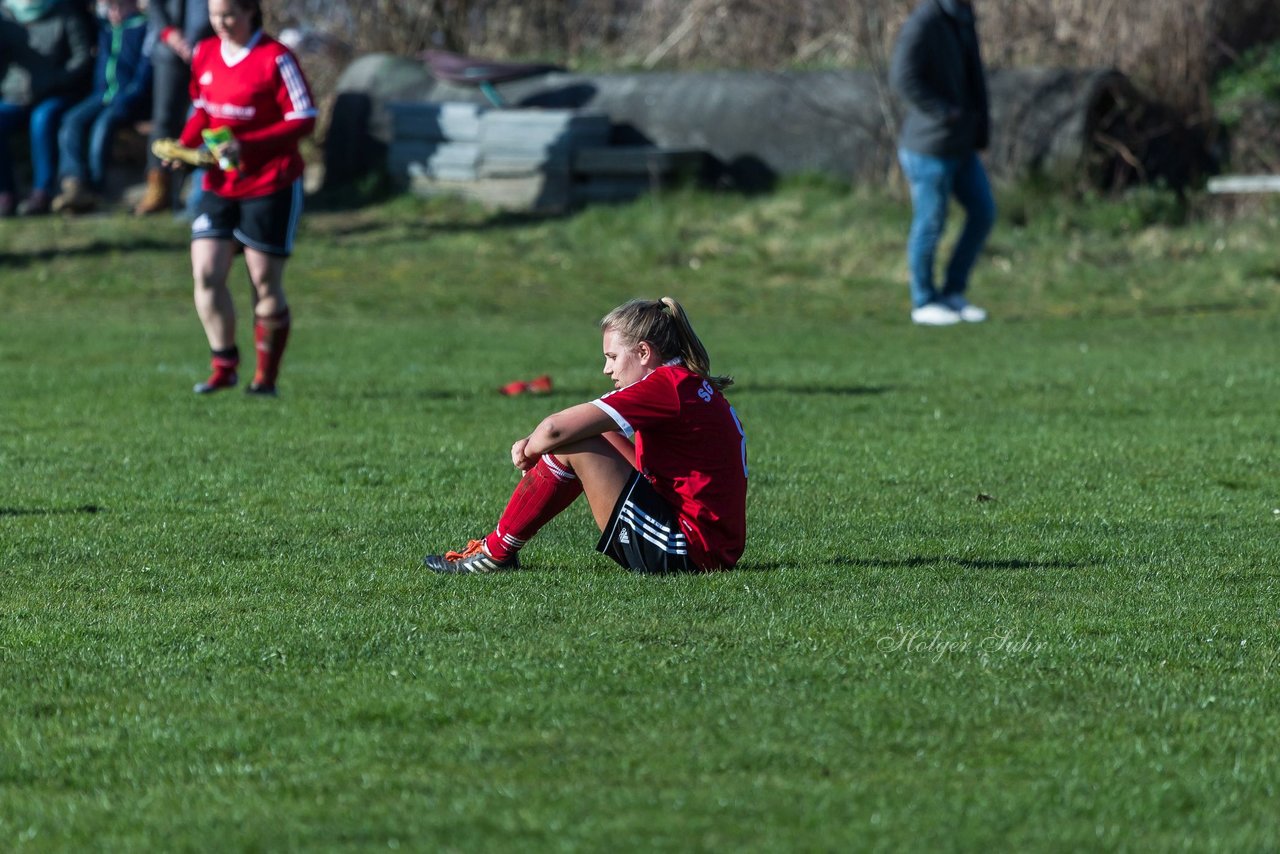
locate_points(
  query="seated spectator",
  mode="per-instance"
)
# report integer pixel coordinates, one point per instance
(121, 95)
(178, 25)
(48, 48)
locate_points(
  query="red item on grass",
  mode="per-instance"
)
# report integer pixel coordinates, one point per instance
(513, 388)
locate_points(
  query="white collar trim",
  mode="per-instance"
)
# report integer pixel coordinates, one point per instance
(234, 56)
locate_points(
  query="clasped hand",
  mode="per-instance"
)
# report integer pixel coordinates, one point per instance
(519, 458)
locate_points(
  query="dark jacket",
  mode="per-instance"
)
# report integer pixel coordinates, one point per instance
(122, 76)
(189, 17)
(53, 55)
(937, 71)
(49, 56)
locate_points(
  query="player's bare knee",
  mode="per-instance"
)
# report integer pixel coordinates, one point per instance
(208, 280)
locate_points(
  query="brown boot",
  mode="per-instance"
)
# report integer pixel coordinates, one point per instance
(158, 197)
(75, 197)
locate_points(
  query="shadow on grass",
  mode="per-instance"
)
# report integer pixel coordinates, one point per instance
(414, 394)
(395, 231)
(87, 509)
(558, 396)
(1194, 309)
(966, 562)
(90, 250)
(835, 390)
(584, 393)
(913, 562)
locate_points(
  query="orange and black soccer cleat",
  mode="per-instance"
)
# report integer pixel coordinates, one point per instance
(471, 560)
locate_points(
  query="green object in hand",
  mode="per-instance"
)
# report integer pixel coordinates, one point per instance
(216, 137)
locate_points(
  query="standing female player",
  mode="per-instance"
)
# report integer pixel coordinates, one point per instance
(673, 501)
(247, 82)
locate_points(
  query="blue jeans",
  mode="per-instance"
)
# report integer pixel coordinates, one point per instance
(87, 129)
(43, 123)
(934, 180)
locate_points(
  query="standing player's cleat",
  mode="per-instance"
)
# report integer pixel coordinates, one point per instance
(261, 390)
(540, 385)
(472, 559)
(216, 382)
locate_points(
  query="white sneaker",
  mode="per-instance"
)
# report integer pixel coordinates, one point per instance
(934, 314)
(968, 312)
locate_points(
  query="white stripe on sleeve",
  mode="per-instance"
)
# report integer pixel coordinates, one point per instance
(298, 94)
(622, 423)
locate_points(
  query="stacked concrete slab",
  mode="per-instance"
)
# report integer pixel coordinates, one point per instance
(545, 160)
(440, 140)
(520, 159)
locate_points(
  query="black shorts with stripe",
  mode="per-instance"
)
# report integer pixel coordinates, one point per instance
(265, 223)
(644, 533)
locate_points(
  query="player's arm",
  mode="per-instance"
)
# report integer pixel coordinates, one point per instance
(197, 122)
(281, 135)
(297, 109)
(560, 429)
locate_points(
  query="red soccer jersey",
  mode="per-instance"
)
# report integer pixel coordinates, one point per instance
(690, 446)
(258, 92)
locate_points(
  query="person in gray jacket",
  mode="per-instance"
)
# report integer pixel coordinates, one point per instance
(178, 25)
(936, 70)
(46, 64)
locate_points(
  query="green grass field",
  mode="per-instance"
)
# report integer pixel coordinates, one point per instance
(1010, 586)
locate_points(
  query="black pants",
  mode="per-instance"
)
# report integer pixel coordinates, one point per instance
(170, 98)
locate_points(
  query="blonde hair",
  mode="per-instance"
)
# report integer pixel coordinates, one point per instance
(665, 326)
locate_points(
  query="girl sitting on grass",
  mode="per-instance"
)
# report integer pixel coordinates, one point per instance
(662, 458)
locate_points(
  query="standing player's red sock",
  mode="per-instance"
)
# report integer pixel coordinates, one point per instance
(270, 335)
(222, 365)
(544, 491)
(222, 370)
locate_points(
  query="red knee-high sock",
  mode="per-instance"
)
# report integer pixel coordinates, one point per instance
(544, 491)
(270, 335)
(223, 364)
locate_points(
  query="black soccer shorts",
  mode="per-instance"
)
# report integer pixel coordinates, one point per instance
(644, 533)
(264, 223)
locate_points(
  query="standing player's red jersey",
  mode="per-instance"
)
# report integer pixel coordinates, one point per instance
(258, 92)
(690, 446)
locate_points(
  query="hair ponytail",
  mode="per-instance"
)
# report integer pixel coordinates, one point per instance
(665, 326)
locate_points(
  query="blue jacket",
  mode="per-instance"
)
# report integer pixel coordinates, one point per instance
(122, 76)
(937, 71)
